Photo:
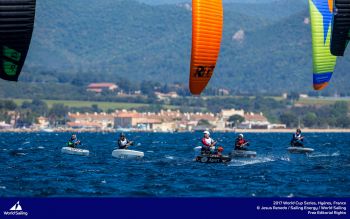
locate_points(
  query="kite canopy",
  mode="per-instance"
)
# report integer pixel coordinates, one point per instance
(321, 27)
(16, 27)
(341, 27)
(207, 25)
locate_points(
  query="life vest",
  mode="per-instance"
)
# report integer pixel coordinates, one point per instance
(297, 137)
(123, 143)
(207, 141)
(241, 142)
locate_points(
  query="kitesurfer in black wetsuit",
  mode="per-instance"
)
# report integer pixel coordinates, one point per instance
(73, 141)
(123, 143)
(297, 139)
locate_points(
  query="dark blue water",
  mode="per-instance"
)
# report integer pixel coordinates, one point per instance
(32, 165)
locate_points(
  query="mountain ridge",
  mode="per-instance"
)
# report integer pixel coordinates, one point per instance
(153, 42)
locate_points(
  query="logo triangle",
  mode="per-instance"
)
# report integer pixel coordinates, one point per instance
(16, 207)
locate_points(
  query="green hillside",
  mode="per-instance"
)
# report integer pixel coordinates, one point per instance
(113, 39)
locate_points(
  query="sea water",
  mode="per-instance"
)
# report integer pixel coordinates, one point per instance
(32, 165)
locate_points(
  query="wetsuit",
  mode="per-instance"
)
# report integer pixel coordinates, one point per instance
(239, 144)
(123, 144)
(73, 142)
(297, 140)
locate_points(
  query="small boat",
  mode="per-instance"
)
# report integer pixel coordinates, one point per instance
(300, 150)
(242, 153)
(213, 159)
(127, 154)
(75, 151)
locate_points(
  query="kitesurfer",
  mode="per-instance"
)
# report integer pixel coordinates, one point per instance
(240, 143)
(297, 139)
(219, 151)
(73, 141)
(124, 143)
(208, 144)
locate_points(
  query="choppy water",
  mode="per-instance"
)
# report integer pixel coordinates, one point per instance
(32, 165)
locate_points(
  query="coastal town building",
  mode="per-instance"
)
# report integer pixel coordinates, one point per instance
(227, 113)
(101, 87)
(42, 122)
(5, 126)
(85, 125)
(223, 92)
(91, 120)
(122, 93)
(166, 96)
(133, 119)
(14, 116)
(254, 121)
(163, 121)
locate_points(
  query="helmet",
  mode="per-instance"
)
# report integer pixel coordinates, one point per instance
(240, 135)
(122, 135)
(206, 132)
(298, 130)
(220, 149)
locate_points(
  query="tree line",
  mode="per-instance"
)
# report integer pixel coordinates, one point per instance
(27, 113)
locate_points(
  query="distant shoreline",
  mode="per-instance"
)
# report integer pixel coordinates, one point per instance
(305, 130)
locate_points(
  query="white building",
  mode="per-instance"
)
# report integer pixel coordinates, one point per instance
(227, 113)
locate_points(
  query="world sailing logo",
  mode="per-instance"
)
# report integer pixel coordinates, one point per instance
(16, 210)
(16, 207)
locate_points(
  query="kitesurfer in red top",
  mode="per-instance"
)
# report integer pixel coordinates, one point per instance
(241, 143)
(208, 143)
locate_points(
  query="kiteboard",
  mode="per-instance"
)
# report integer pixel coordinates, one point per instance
(242, 153)
(127, 154)
(212, 159)
(197, 150)
(300, 150)
(75, 151)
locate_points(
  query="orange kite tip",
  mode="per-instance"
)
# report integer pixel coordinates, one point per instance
(320, 86)
(196, 92)
(196, 88)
